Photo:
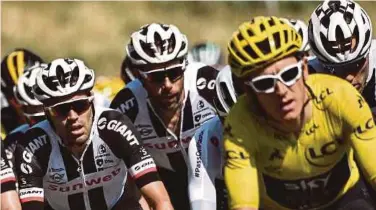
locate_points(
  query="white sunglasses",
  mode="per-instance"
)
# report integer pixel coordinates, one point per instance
(266, 83)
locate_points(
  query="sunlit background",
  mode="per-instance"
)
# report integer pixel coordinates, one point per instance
(97, 32)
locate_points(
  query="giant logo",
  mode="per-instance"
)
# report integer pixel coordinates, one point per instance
(26, 168)
(142, 168)
(102, 123)
(127, 105)
(202, 84)
(119, 127)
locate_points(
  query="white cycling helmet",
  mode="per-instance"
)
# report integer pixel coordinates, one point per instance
(208, 53)
(156, 43)
(63, 77)
(23, 91)
(302, 29)
(24, 88)
(334, 26)
(227, 91)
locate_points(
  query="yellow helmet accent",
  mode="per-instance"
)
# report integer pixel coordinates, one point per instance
(260, 42)
(16, 69)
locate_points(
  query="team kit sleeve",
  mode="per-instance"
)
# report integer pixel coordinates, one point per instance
(7, 177)
(126, 144)
(240, 171)
(30, 174)
(204, 157)
(358, 119)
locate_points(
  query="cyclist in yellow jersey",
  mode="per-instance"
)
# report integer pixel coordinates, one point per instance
(291, 139)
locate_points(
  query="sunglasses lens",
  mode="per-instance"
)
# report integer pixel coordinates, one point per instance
(264, 84)
(78, 106)
(173, 74)
(61, 110)
(350, 68)
(290, 75)
(156, 77)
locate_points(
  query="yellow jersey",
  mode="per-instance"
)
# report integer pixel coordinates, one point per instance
(270, 169)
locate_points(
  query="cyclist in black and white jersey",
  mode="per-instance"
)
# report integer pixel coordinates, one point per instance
(9, 196)
(340, 35)
(12, 67)
(30, 106)
(168, 103)
(80, 157)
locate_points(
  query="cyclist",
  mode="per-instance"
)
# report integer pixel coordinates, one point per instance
(9, 196)
(30, 106)
(205, 143)
(12, 67)
(290, 140)
(340, 35)
(356, 63)
(79, 157)
(168, 102)
(208, 53)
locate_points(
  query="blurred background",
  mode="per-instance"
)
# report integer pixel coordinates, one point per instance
(97, 32)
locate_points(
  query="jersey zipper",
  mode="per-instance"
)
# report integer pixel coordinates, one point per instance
(181, 147)
(80, 170)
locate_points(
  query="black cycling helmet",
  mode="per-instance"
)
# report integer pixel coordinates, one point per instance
(13, 66)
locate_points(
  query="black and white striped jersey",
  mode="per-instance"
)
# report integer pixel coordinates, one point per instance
(10, 143)
(47, 170)
(7, 177)
(169, 150)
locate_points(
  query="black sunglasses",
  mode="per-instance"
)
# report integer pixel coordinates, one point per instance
(79, 106)
(173, 75)
(346, 69)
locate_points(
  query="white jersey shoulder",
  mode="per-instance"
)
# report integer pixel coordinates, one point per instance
(205, 162)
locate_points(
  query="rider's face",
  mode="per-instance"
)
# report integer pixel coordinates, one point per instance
(355, 73)
(72, 120)
(286, 101)
(165, 88)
